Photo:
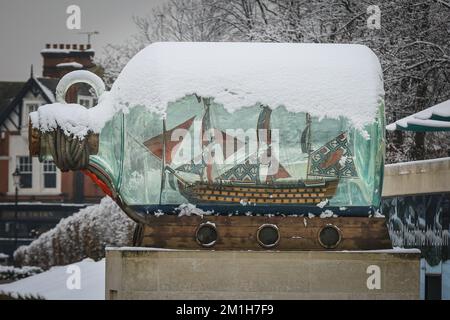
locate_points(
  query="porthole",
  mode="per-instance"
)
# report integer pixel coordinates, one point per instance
(206, 234)
(268, 235)
(330, 236)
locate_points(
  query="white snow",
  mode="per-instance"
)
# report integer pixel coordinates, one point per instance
(3, 256)
(188, 209)
(326, 80)
(423, 117)
(378, 214)
(418, 162)
(441, 109)
(393, 250)
(56, 51)
(326, 214)
(51, 284)
(71, 118)
(75, 65)
(322, 203)
(85, 233)
(51, 50)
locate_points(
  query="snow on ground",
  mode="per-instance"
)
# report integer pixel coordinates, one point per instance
(326, 80)
(52, 284)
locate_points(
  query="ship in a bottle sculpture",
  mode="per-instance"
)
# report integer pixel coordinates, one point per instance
(233, 145)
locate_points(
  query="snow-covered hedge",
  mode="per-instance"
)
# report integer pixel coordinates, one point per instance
(13, 274)
(84, 234)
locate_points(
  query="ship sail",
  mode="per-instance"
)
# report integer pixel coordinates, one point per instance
(252, 172)
(334, 159)
(213, 144)
(162, 146)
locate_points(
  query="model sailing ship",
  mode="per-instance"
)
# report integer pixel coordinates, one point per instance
(244, 182)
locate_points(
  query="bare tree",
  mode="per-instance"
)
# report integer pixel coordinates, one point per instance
(413, 45)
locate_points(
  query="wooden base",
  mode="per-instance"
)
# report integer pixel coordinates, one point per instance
(241, 232)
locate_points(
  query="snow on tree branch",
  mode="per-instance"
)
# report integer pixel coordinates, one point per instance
(84, 234)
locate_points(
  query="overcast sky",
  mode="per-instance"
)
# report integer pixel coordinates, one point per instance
(27, 25)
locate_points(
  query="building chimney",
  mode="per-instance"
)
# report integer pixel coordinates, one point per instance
(60, 59)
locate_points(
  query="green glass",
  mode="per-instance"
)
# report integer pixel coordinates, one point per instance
(147, 167)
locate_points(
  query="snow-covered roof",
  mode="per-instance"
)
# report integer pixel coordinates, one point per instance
(324, 79)
(435, 118)
(46, 90)
(66, 51)
(75, 65)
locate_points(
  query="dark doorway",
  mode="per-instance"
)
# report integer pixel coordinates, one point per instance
(78, 187)
(433, 287)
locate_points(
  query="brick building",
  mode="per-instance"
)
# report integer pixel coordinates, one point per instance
(46, 195)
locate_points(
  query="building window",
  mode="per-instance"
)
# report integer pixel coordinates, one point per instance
(25, 166)
(31, 107)
(49, 174)
(86, 101)
(28, 107)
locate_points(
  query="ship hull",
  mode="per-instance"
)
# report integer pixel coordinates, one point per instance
(241, 233)
(305, 193)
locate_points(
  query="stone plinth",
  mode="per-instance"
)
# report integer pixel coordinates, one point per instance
(144, 273)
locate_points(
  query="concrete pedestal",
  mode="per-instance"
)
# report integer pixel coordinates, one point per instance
(144, 273)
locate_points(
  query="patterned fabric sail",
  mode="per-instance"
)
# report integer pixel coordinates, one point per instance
(195, 168)
(161, 142)
(334, 159)
(245, 172)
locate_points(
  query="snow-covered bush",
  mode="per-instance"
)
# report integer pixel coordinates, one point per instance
(10, 273)
(84, 234)
(15, 296)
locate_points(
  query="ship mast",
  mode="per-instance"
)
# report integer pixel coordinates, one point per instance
(163, 162)
(308, 143)
(263, 126)
(206, 126)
